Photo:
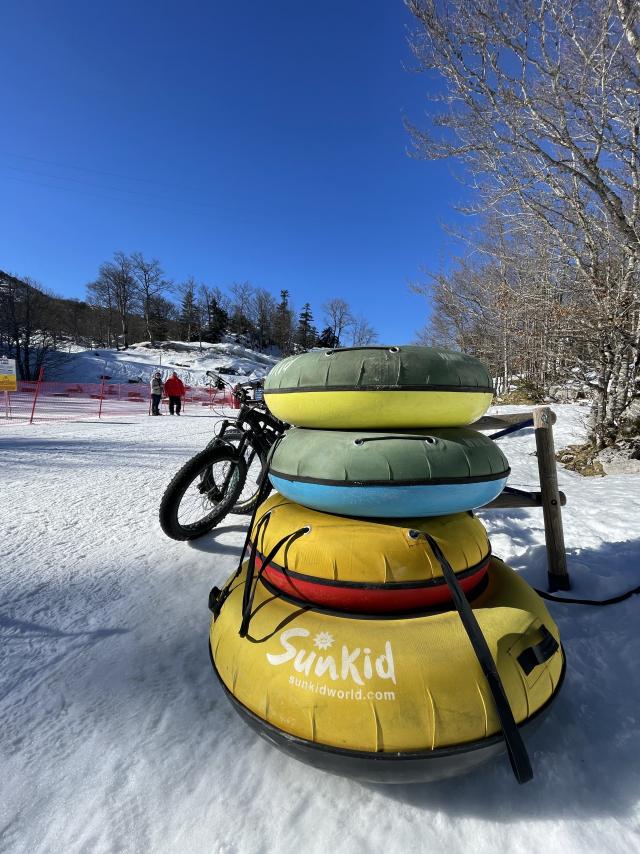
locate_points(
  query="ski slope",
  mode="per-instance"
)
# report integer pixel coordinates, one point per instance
(139, 361)
(116, 738)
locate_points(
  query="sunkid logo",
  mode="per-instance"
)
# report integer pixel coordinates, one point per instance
(356, 664)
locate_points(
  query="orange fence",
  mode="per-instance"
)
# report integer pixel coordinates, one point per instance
(49, 401)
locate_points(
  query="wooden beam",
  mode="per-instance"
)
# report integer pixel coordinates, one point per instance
(511, 498)
(490, 422)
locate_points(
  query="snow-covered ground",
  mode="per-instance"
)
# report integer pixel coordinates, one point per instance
(139, 361)
(115, 736)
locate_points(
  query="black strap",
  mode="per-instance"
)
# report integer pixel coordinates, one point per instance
(264, 490)
(518, 756)
(217, 597)
(246, 595)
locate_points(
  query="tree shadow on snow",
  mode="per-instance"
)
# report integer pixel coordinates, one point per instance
(522, 527)
(586, 753)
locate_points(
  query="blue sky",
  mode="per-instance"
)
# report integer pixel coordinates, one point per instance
(232, 141)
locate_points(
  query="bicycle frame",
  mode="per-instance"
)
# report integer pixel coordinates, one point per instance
(258, 428)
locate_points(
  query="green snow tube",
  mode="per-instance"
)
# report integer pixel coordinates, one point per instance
(379, 388)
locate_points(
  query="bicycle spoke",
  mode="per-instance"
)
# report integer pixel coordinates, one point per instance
(207, 494)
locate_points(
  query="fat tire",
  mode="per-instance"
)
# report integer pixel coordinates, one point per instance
(174, 493)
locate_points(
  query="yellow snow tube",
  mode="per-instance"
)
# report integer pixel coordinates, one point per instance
(367, 565)
(334, 688)
(379, 387)
(350, 410)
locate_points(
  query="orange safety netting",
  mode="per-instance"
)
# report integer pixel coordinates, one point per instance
(44, 401)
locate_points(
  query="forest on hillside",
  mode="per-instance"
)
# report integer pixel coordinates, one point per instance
(132, 300)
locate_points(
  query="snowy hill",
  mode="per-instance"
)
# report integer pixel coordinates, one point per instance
(117, 738)
(139, 361)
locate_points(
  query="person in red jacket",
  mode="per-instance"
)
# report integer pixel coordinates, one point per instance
(174, 389)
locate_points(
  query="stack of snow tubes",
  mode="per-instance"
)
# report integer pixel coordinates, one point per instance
(370, 632)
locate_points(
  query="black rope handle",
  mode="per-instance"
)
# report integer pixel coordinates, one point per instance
(518, 756)
(216, 596)
(568, 600)
(250, 584)
(256, 531)
(264, 485)
(512, 428)
(430, 440)
(363, 347)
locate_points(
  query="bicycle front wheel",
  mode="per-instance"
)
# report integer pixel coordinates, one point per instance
(202, 493)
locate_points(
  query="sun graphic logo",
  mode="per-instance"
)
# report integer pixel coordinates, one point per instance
(323, 640)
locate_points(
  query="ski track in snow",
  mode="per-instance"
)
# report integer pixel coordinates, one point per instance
(115, 736)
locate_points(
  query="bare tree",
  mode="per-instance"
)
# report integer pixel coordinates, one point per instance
(151, 283)
(25, 323)
(100, 296)
(242, 294)
(362, 333)
(540, 104)
(117, 289)
(338, 316)
(263, 314)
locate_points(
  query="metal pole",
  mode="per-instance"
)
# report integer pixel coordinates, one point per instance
(557, 573)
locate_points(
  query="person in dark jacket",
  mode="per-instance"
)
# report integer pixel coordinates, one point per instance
(174, 388)
(156, 393)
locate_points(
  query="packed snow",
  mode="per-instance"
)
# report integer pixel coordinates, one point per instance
(117, 738)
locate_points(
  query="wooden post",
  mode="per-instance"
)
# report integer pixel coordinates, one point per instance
(556, 555)
(35, 397)
(101, 396)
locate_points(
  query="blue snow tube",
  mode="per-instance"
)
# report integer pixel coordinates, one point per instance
(393, 501)
(375, 474)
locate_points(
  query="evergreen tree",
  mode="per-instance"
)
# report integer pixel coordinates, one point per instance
(159, 315)
(217, 320)
(328, 338)
(306, 332)
(189, 313)
(284, 324)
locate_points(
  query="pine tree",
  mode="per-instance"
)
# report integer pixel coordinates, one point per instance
(327, 338)
(189, 314)
(284, 324)
(306, 333)
(215, 317)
